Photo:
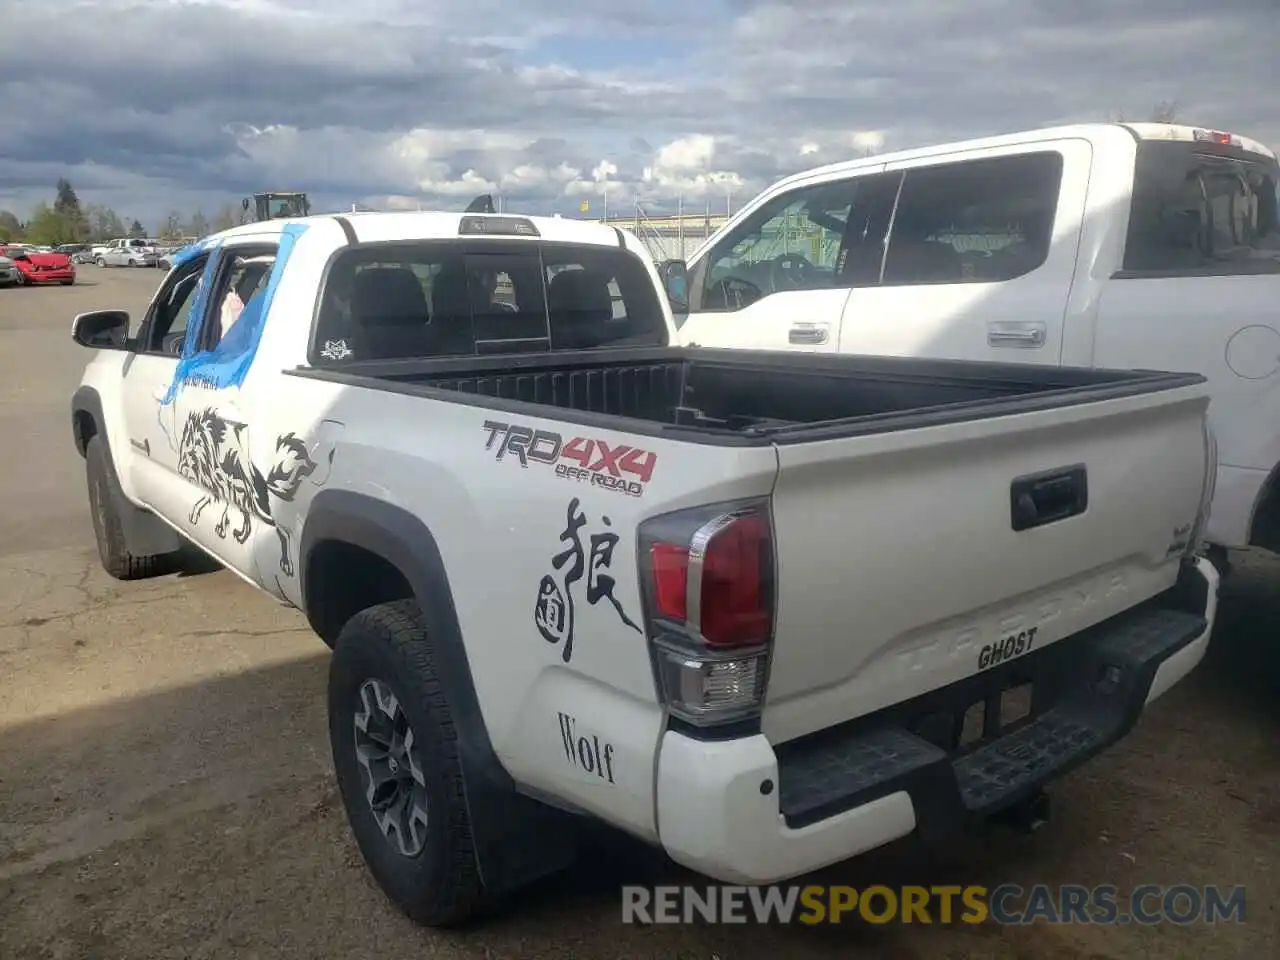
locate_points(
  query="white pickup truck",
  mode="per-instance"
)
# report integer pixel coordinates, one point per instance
(1144, 245)
(749, 607)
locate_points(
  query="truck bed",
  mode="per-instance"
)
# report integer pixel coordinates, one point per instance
(752, 395)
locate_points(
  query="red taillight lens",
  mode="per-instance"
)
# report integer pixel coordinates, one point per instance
(670, 580)
(735, 604)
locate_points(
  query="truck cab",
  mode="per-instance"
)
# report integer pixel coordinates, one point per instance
(1143, 245)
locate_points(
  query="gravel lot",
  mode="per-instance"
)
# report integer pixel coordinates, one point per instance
(165, 785)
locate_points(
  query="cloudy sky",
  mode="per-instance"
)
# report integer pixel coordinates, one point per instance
(151, 105)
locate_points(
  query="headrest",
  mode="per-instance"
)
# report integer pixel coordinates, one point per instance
(581, 292)
(450, 292)
(388, 297)
(922, 261)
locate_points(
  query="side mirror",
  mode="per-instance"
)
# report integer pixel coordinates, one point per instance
(102, 329)
(675, 280)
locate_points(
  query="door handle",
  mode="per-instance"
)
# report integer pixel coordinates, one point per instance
(808, 333)
(1017, 334)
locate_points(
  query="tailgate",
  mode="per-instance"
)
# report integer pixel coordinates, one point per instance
(910, 560)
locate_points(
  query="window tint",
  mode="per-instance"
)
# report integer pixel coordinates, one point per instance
(809, 239)
(1195, 212)
(432, 299)
(974, 221)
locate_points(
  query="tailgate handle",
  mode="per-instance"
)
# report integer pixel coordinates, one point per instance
(1045, 498)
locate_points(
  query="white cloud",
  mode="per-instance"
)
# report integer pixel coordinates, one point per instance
(544, 102)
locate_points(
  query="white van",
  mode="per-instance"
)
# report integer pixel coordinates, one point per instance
(1137, 245)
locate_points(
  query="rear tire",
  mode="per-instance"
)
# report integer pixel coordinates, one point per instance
(107, 528)
(383, 656)
(67, 283)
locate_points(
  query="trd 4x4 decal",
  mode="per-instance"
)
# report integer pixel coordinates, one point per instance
(620, 467)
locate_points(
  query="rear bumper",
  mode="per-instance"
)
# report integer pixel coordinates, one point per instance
(743, 811)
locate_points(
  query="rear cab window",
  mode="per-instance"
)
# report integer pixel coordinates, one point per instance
(1202, 208)
(423, 299)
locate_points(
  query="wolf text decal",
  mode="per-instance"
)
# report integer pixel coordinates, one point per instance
(553, 611)
(214, 455)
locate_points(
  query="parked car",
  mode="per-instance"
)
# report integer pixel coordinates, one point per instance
(166, 256)
(78, 252)
(1139, 245)
(9, 275)
(127, 253)
(40, 268)
(735, 603)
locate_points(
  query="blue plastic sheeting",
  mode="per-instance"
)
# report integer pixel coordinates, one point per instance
(228, 363)
(192, 250)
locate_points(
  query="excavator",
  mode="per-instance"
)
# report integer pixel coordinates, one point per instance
(280, 206)
(276, 206)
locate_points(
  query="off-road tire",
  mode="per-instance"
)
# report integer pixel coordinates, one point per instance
(440, 886)
(107, 529)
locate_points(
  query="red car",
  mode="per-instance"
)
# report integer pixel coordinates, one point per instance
(41, 267)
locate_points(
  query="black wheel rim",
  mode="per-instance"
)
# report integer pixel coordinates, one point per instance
(391, 771)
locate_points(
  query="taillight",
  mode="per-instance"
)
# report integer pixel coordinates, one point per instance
(707, 580)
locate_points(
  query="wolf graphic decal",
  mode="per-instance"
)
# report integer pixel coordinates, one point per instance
(213, 454)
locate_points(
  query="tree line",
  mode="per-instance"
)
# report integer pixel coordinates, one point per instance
(68, 220)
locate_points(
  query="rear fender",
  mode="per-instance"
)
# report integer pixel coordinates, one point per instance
(516, 839)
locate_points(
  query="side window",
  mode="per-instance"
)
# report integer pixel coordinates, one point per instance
(241, 277)
(976, 221)
(1194, 213)
(827, 235)
(171, 315)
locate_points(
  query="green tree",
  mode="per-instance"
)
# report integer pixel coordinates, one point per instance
(104, 223)
(10, 227)
(199, 225)
(66, 205)
(225, 219)
(137, 230)
(172, 228)
(49, 227)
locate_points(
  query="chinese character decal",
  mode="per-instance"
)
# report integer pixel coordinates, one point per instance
(553, 612)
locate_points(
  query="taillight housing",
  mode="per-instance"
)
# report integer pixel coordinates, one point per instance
(707, 578)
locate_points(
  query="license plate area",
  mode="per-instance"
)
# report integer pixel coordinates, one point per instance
(983, 708)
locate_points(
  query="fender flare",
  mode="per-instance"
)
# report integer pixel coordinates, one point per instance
(145, 534)
(86, 400)
(516, 839)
